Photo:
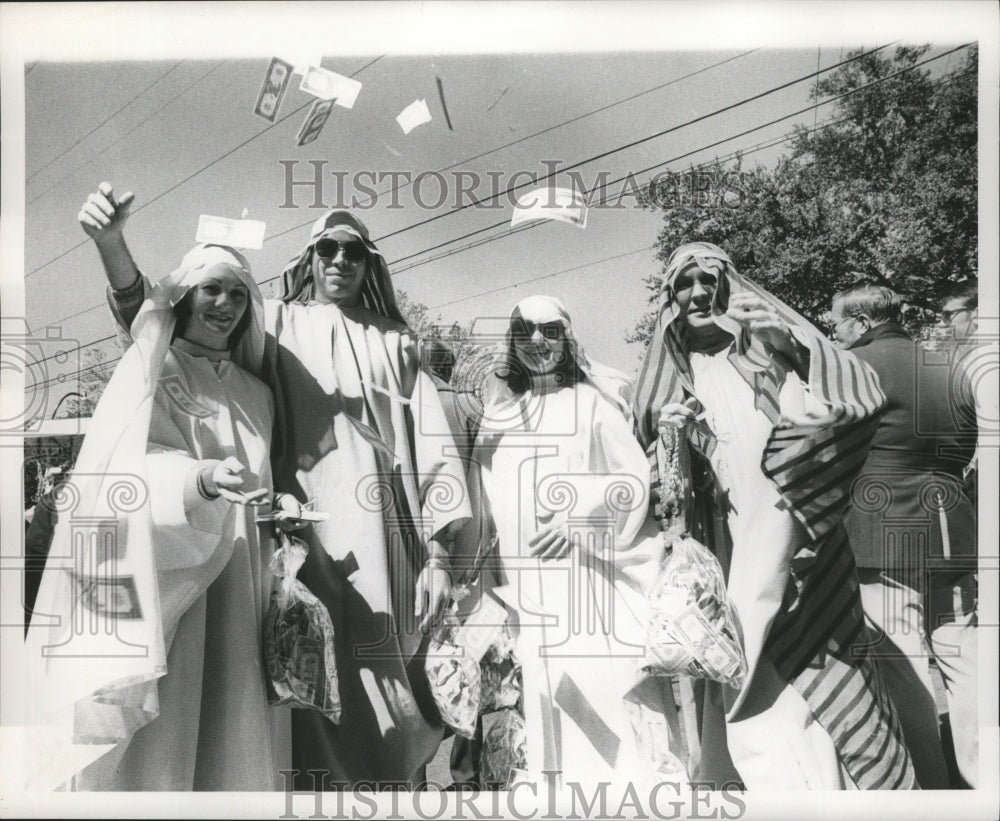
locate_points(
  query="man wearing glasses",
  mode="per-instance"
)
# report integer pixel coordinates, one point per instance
(913, 529)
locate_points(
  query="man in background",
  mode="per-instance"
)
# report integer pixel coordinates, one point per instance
(913, 528)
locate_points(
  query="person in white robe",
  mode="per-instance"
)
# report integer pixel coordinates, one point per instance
(567, 484)
(359, 433)
(777, 422)
(144, 648)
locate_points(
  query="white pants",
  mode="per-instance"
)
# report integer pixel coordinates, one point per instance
(896, 613)
(903, 658)
(957, 655)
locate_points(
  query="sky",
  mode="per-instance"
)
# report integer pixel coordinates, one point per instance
(181, 133)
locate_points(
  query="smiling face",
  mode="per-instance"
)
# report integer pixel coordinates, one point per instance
(541, 347)
(340, 264)
(215, 305)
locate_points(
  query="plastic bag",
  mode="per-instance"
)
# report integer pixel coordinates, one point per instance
(505, 749)
(501, 675)
(298, 639)
(692, 627)
(453, 676)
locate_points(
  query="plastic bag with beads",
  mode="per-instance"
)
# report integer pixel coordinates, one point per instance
(298, 639)
(453, 676)
(693, 629)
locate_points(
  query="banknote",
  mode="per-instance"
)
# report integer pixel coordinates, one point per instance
(314, 122)
(328, 85)
(548, 203)
(481, 627)
(416, 113)
(234, 233)
(279, 74)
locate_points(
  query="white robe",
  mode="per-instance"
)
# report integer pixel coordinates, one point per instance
(582, 619)
(361, 431)
(777, 742)
(214, 730)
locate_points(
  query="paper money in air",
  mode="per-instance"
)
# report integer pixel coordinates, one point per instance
(328, 85)
(279, 73)
(548, 203)
(314, 121)
(234, 233)
(301, 56)
(416, 113)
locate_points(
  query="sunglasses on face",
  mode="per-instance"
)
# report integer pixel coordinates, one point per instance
(523, 329)
(354, 251)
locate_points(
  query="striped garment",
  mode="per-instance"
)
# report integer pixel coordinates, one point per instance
(818, 639)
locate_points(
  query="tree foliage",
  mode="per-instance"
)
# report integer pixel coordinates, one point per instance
(886, 191)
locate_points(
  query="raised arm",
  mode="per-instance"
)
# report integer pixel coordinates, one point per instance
(102, 218)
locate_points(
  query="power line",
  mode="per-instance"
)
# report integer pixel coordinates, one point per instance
(604, 185)
(134, 128)
(199, 171)
(732, 155)
(640, 141)
(510, 189)
(739, 152)
(689, 153)
(545, 276)
(539, 133)
(467, 159)
(64, 377)
(110, 117)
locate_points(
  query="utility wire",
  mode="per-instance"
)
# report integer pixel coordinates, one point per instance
(107, 119)
(604, 185)
(199, 171)
(133, 129)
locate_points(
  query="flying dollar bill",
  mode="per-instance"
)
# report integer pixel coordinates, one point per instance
(314, 121)
(234, 233)
(547, 203)
(279, 74)
(301, 56)
(328, 85)
(416, 113)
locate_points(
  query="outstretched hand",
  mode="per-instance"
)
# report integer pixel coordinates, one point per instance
(226, 480)
(102, 216)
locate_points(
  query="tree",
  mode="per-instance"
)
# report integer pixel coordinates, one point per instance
(469, 356)
(887, 191)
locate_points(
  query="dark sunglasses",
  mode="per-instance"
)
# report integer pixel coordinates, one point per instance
(525, 328)
(354, 251)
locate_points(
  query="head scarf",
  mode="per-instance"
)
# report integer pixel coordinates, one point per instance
(96, 644)
(841, 390)
(377, 294)
(812, 462)
(613, 386)
(666, 372)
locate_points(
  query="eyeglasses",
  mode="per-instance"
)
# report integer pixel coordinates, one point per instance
(949, 315)
(836, 325)
(354, 251)
(524, 328)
